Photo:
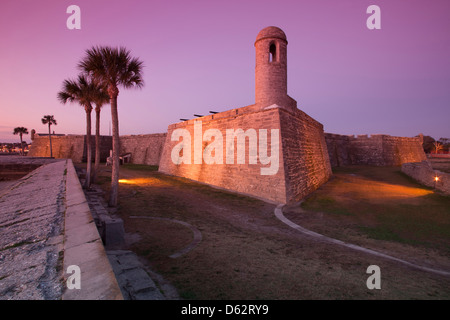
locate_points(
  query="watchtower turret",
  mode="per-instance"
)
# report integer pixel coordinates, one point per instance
(271, 69)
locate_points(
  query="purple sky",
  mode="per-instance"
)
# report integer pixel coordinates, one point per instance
(199, 56)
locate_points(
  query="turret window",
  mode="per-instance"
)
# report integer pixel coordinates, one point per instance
(273, 53)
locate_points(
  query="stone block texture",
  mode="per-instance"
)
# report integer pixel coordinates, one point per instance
(376, 150)
(69, 147)
(303, 158)
(144, 148)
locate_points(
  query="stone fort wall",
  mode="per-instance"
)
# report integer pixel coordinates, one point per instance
(376, 150)
(68, 147)
(144, 149)
(379, 150)
(244, 178)
(305, 155)
(303, 161)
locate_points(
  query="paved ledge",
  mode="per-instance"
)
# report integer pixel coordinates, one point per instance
(46, 226)
(84, 248)
(31, 235)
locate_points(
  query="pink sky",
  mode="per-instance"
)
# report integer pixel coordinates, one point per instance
(199, 56)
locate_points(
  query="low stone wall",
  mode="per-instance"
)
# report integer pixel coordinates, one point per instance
(45, 226)
(425, 174)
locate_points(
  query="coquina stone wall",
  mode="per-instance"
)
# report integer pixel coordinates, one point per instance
(376, 150)
(425, 174)
(303, 163)
(305, 155)
(68, 147)
(144, 148)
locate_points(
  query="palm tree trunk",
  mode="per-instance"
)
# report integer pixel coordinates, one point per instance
(87, 182)
(115, 153)
(50, 138)
(21, 143)
(97, 145)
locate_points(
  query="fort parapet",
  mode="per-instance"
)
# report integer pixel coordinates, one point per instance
(144, 148)
(68, 147)
(375, 150)
(302, 165)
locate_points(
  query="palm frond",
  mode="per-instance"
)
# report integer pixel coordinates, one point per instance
(85, 90)
(20, 130)
(49, 119)
(112, 67)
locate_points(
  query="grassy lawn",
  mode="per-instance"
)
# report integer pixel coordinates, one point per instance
(385, 204)
(247, 253)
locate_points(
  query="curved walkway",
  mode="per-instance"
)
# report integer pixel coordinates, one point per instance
(281, 217)
(192, 245)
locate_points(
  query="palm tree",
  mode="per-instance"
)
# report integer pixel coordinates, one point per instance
(85, 92)
(113, 67)
(20, 131)
(100, 99)
(47, 119)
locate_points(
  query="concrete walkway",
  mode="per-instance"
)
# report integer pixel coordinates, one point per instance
(281, 217)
